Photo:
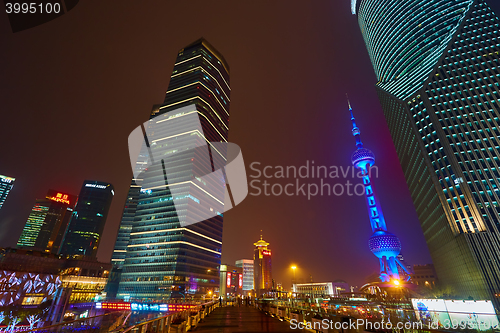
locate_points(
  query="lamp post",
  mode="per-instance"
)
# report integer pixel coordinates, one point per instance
(293, 269)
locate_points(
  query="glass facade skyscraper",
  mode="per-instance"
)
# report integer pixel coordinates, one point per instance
(88, 219)
(6, 184)
(157, 256)
(437, 65)
(34, 224)
(48, 222)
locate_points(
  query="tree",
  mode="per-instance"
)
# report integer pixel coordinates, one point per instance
(33, 319)
(14, 320)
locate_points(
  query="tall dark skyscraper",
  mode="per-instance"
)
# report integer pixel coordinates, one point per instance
(157, 254)
(87, 222)
(437, 64)
(6, 184)
(47, 223)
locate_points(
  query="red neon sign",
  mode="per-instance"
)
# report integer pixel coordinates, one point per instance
(240, 282)
(60, 197)
(115, 306)
(179, 307)
(266, 252)
(228, 279)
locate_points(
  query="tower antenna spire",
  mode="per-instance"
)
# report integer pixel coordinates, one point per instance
(384, 245)
(355, 130)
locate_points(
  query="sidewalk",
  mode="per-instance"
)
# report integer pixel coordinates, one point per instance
(242, 319)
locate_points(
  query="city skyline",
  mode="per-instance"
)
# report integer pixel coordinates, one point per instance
(286, 110)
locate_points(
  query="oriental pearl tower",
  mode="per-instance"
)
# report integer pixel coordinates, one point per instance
(383, 244)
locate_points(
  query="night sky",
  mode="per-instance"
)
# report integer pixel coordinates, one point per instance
(73, 89)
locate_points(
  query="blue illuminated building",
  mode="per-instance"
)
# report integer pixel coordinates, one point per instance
(384, 245)
(437, 68)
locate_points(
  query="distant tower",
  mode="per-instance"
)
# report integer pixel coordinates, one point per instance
(87, 222)
(262, 267)
(382, 243)
(6, 184)
(45, 228)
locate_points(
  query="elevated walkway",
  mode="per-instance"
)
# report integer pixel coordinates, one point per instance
(241, 319)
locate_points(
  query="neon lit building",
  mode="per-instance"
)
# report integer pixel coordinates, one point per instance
(248, 280)
(231, 281)
(47, 223)
(263, 277)
(88, 219)
(437, 65)
(29, 277)
(6, 184)
(156, 257)
(384, 245)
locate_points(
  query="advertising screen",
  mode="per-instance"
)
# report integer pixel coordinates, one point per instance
(456, 314)
(479, 315)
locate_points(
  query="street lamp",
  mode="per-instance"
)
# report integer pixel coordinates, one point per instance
(293, 269)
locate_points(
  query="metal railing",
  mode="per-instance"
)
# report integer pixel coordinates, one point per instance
(174, 322)
(97, 324)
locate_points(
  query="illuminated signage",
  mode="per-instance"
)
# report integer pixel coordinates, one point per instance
(95, 185)
(266, 252)
(61, 197)
(240, 280)
(228, 279)
(148, 307)
(179, 307)
(439, 313)
(113, 306)
(6, 180)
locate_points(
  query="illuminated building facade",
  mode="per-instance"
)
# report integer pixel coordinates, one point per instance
(314, 289)
(437, 65)
(231, 281)
(87, 221)
(34, 224)
(156, 256)
(30, 277)
(6, 184)
(263, 278)
(248, 279)
(47, 223)
(384, 245)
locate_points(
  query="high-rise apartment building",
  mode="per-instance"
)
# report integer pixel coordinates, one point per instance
(248, 280)
(6, 184)
(47, 223)
(88, 219)
(438, 70)
(263, 278)
(157, 255)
